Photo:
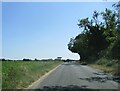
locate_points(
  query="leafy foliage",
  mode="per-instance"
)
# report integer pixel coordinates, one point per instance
(98, 37)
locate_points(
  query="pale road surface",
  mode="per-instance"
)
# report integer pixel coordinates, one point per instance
(71, 75)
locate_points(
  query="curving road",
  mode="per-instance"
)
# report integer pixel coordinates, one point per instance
(71, 75)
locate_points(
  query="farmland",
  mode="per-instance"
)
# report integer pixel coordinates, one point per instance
(20, 74)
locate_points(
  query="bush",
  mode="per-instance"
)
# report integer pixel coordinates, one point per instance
(27, 60)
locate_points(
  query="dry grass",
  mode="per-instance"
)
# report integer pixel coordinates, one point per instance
(103, 68)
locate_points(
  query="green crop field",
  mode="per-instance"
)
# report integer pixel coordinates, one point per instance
(21, 74)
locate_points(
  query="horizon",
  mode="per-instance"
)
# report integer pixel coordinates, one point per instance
(43, 30)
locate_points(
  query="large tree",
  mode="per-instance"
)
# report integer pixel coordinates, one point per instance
(97, 35)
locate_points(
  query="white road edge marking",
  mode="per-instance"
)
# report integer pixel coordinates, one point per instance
(34, 84)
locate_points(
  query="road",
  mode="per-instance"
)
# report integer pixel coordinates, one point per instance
(73, 76)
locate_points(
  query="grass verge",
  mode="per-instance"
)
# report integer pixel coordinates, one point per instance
(103, 68)
(18, 74)
(107, 65)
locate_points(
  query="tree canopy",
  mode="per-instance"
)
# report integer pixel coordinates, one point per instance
(100, 36)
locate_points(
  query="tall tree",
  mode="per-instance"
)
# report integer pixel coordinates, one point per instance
(96, 36)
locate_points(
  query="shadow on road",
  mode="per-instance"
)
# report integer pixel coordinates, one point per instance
(113, 78)
(98, 79)
(69, 88)
(62, 88)
(101, 79)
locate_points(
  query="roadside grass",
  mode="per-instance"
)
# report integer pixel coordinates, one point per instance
(18, 75)
(103, 68)
(107, 65)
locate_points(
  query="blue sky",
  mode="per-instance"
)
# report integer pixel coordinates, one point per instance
(43, 30)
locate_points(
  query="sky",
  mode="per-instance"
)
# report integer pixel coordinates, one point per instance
(42, 30)
(0, 29)
(60, 0)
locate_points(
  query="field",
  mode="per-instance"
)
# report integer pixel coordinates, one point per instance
(19, 74)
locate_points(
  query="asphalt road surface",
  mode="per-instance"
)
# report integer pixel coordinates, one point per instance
(71, 76)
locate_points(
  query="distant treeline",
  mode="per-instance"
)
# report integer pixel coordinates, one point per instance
(64, 60)
(32, 60)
